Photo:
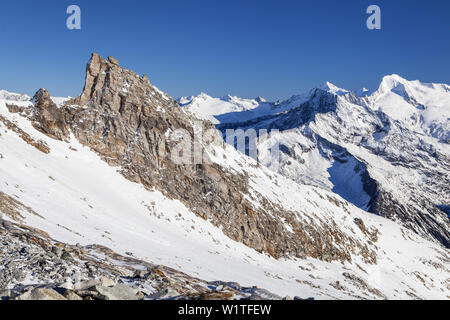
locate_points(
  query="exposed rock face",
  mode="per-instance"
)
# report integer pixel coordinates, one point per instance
(126, 120)
(26, 253)
(117, 292)
(323, 123)
(40, 145)
(243, 199)
(48, 117)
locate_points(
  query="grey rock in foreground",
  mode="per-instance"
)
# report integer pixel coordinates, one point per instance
(41, 294)
(118, 292)
(26, 253)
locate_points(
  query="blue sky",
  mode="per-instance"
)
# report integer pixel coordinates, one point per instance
(246, 48)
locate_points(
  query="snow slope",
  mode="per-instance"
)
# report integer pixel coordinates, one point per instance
(78, 198)
(230, 109)
(395, 140)
(10, 96)
(207, 107)
(420, 106)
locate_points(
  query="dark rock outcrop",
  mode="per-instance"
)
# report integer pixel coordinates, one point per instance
(127, 121)
(47, 117)
(320, 120)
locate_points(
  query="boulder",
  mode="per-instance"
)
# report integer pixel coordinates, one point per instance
(83, 285)
(58, 251)
(41, 294)
(139, 274)
(166, 293)
(70, 295)
(5, 294)
(118, 292)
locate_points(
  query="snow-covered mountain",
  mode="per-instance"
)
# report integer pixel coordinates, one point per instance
(423, 107)
(206, 107)
(98, 169)
(231, 109)
(387, 153)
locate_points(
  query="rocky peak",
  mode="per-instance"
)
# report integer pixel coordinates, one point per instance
(106, 79)
(394, 83)
(11, 96)
(392, 80)
(95, 69)
(47, 117)
(399, 86)
(41, 97)
(128, 122)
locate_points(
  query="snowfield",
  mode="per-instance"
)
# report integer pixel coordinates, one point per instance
(422, 106)
(395, 140)
(77, 198)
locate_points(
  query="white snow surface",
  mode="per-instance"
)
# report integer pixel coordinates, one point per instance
(80, 199)
(25, 100)
(329, 87)
(418, 117)
(11, 96)
(421, 106)
(60, 101)
(230, 109)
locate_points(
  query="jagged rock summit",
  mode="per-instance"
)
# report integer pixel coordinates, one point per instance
(98, 170)
(125, 119)
(386, 152)
(47, 117)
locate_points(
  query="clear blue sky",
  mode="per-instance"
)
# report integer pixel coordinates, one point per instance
(246, 48)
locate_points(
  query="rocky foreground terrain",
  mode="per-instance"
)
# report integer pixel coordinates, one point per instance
(95, 206)
(387, 152)
(36, 267)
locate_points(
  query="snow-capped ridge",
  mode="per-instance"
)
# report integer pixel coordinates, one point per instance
(408, 121)
(12, 96)
(24, 99)
(395, 84)
(332, 248)
(205, 107)
(331, 88)
(412, 88)
(364, 92)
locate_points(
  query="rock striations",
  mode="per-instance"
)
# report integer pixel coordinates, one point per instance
(125, 119)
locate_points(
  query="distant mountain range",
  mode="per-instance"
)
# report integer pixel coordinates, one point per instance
(89, 189)
(386, 152)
